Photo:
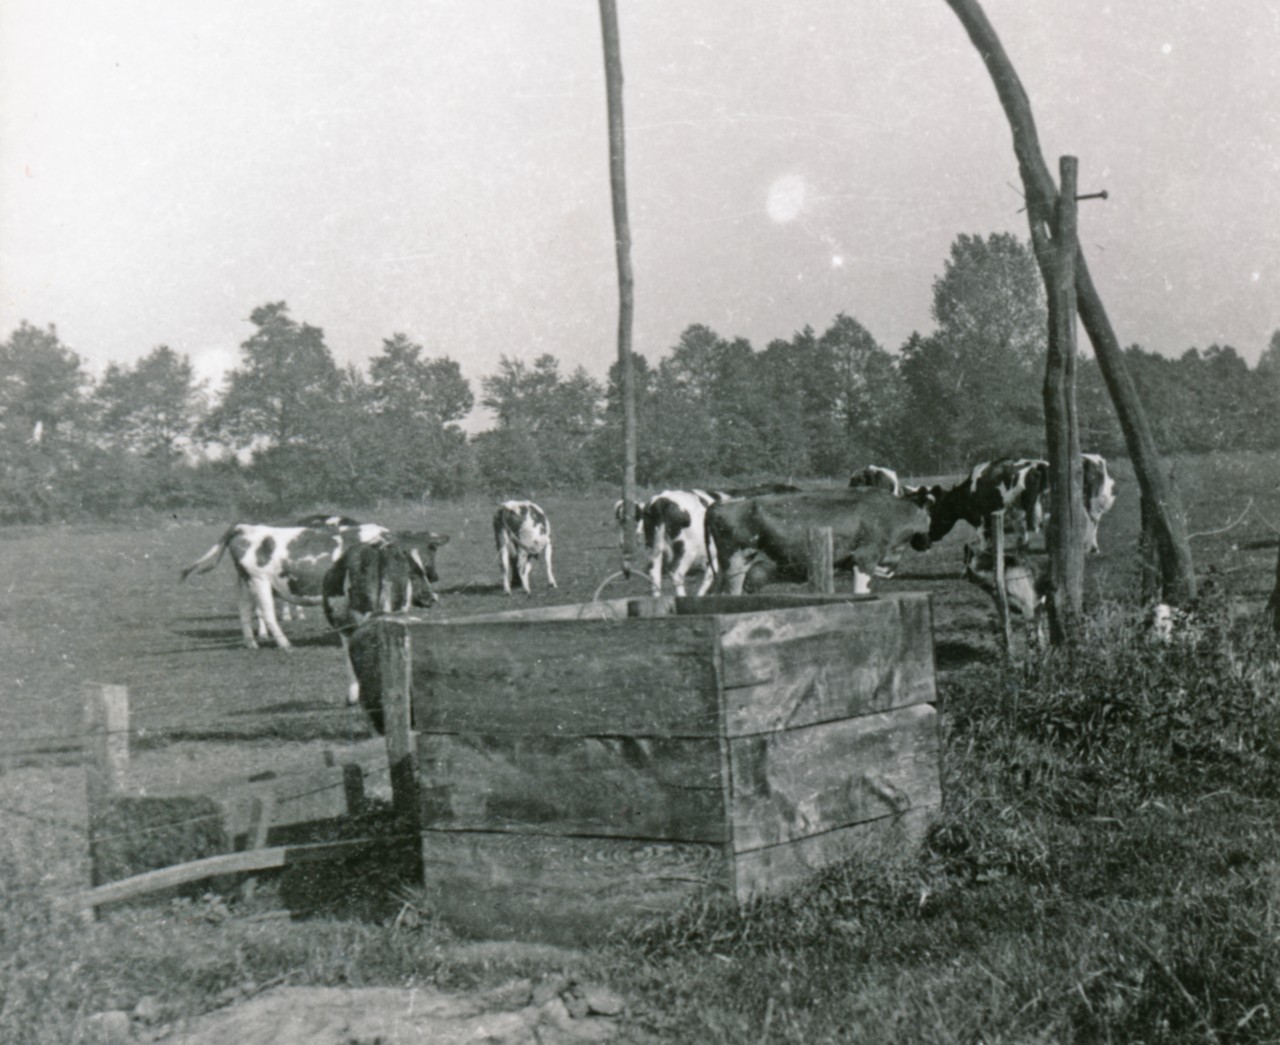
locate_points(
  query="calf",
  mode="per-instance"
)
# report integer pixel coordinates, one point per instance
(291, 562)
(870, 527)
(366, 580)
(522, 532)
(1099, 495)
(991, 487)
(1025, 588)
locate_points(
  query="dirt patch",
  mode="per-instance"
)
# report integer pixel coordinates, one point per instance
(555, 1010)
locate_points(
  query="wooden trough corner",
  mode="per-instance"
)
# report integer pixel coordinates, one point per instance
(580, 766)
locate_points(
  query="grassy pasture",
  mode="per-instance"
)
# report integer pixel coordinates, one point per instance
(1073, 891)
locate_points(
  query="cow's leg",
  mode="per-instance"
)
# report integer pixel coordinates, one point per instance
(245, 604)
(504, 557)
(264, 599)
(735, 576)
(353, 687)
(546, 560)
(657, 560)
(683, 555)
(524, 566)
(1091, 534)
(861, 582)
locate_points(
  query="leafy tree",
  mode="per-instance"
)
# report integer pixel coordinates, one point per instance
(42, 384)
(283, 403)
(546, 425)
(978, 375)
(284, 386)
(152, 408)
(869, 394)
(43, 410)
(413, 407)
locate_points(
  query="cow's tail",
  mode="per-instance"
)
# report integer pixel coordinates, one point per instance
(213, 556)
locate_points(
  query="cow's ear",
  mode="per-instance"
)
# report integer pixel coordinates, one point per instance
(439, 540)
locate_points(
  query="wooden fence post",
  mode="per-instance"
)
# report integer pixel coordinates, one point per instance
(822, 580)
(1002, 593)
(397, 708)
(106, 749)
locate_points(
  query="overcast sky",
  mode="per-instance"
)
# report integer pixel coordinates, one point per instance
(440, 168)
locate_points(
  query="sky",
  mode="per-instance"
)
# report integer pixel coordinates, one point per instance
(441, 169)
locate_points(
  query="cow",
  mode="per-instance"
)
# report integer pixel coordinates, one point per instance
(675, 538)
(321, 519)
(522, 532)
(366, 580)
(869, 527)
(876, 475)
(990, 487)
(1025, 588)
(291, 562)
(1099, 495)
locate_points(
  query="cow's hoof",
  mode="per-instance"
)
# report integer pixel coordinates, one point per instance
(353, 694)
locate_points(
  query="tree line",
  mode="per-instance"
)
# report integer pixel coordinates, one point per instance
(292, 428)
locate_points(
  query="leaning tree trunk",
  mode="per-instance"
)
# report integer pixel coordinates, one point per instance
(1174, 550)
(622, 244)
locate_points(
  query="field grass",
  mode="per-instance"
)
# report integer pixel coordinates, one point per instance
(1105, 868)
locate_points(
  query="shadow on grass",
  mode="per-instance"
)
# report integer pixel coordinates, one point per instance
(951, 656)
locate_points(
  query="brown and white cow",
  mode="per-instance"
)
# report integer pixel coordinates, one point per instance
(290, 562)
(1013, 485)
(366, 580)
(1099, 495)
(522, 532)
(870, 527)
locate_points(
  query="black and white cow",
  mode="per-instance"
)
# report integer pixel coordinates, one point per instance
(675, 538)
(522, 532)
(321, 519)
(1013, 485)
(870, 527)
(366, 580)
(1099, 495)
(877, 476)
(290, 562)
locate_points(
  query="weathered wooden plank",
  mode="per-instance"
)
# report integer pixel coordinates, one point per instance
(600, 609)
(649, 677)
(784, 866)
(811, 780)
(210, 866)
(694, 605)
(560, 890)
(629, 787)
(808, 664)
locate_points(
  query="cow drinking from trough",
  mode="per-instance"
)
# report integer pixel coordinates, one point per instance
(290, 562)
(522, 532)
(366, 580)
(870, 528)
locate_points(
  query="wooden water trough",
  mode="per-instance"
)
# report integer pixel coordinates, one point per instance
(579, 766)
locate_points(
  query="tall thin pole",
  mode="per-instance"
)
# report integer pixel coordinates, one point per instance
(1066, 520)
(626, 289)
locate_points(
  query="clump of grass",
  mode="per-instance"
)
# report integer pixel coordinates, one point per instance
(1104, 870)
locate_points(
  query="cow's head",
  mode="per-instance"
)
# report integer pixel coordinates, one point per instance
(422, 555)
(946, 508)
